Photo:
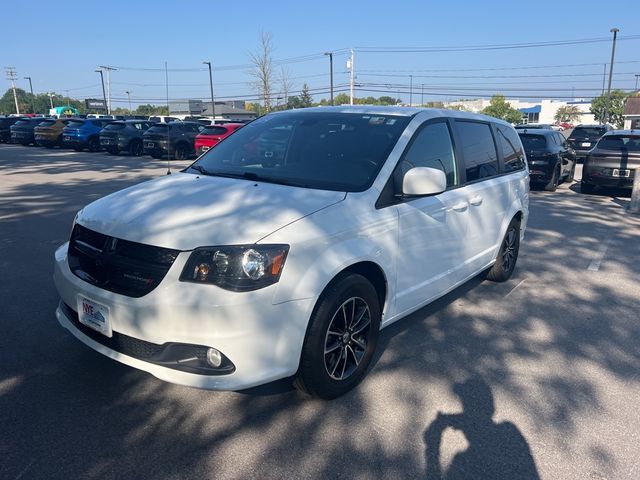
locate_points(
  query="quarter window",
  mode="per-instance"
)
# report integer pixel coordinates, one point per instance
(478, 149)
(431, 147)
(511, 149)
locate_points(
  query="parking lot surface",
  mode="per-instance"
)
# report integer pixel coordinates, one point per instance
(533, 378)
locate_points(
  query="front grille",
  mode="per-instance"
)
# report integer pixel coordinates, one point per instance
(120, 266)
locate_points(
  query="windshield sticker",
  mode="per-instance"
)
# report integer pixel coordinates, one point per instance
(376, 120)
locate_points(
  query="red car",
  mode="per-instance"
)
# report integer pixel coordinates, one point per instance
(213, 134)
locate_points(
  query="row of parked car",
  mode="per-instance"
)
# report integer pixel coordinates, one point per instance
(174, 139)
(610, 156)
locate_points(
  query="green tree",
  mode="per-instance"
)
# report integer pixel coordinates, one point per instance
(500, 108)
(149, 110)
(615, 110)
(341, 99)
(567, 113)
(306, 99)
(386, 100)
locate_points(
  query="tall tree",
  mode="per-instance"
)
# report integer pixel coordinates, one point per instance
(262, 69)
(305, 97)
(567, 113)
(285, 83)
(615, 110)
(500, 108)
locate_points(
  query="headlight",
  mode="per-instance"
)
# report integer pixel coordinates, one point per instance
(239, 268)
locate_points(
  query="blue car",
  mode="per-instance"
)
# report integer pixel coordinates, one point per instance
(81, 133)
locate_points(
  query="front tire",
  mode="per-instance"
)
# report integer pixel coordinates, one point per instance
(505, 264)
(553, 182)
(94, 145)
(181, 152)
(341, 338)
(135, 148)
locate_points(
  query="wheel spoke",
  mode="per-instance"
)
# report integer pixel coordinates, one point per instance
(359, 343)
(355, 323)
(362, 326)
(333, 348)
(355, 357)
(335, 366)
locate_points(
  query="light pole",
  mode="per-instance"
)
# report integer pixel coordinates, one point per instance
(422, 95)
(51, 95)
(410, 90)
(129, 97)
(637, 76)
(605, 117)
(33, 99)
(108, 69)
(104, 95)
(213, 103)
(330, 54)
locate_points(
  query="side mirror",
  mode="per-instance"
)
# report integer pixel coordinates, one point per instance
(422, 181)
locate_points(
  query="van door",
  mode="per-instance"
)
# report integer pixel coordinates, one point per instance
(485, 189)
(432, 230)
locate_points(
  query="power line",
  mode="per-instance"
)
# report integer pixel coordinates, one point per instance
(553, 75)
(599, 64)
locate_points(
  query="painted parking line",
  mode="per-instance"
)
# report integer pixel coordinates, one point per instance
(514, 288)
(594, 266)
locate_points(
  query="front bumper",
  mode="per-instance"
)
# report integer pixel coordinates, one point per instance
(262, 340)
(608, 181)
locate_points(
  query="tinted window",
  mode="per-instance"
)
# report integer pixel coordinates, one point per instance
(620, 143)
(75, 124)
(159, 128)
(115, 126)
(533, 142)
(324, 150)
(588, 132)
(46, 123)
(478, 149)
(22, 122)
(511, 149)
(214, 131)
(431, 147)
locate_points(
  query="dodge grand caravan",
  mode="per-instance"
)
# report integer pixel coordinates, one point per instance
(284, 250)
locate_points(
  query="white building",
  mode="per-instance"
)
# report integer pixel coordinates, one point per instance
(542, 111)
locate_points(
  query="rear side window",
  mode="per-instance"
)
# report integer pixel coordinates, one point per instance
(75, 124)
(214, 130)
(478, 149)
(511, 149)
(431, 147)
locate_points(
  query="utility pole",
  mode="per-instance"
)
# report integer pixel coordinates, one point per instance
(12, 76)
(637, 82)
(129, 97)
(604, 76)
(605, 117)
(108, 70)
(33, 99)
(350, 66)
(410, 90)
(330, 73)
(422, 95)
(213, 103)
(104, 95)
(51, 95)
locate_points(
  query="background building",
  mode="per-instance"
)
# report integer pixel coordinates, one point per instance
(232, 109)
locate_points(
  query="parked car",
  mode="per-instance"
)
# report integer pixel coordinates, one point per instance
(163, 118)
(565, 125)
(241, 270)
(551, 160)
(584, 137)
(48, 133)
(213, 134)
(22, 130)
(81, 133)
(613, 162)
(124, 136)
(5, 128)
(175, 139)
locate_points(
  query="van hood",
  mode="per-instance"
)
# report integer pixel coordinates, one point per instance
(184, 211)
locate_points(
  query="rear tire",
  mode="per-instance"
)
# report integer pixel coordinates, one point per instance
(572, 173)
(553, 183)
(135, 148)
(94, 144)
(505, 264)
(341, 338)
(181, 152)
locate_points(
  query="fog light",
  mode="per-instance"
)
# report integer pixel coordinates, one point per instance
(214, 357)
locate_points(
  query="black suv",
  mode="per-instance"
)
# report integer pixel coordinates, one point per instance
(124, 136)
(551, 160)
(175, 139)
(22, 130)
(5, 125)
(612, 162)
(584, 137)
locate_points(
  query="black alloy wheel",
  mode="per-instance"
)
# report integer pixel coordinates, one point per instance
(341, 337)
(507, 257)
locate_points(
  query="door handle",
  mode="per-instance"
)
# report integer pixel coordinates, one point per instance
(460, 207)
(477, 200)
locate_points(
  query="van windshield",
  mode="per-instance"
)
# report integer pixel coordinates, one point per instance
(323, 150)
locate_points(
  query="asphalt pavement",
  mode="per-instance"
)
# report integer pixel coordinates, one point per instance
(533, 378)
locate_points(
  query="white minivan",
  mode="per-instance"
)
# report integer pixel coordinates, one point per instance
(286, 248)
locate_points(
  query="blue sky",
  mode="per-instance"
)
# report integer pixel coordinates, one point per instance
(137, 35)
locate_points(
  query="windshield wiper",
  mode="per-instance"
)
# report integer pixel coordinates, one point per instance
(201, 169)
(255, 177)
